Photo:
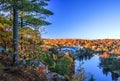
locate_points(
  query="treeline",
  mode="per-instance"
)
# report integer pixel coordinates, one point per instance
(109, 45)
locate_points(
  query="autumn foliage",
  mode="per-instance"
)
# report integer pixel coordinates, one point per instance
(108, 45)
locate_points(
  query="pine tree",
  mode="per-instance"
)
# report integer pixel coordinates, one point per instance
(35, 15)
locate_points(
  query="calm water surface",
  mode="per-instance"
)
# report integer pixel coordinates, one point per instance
(91, 67)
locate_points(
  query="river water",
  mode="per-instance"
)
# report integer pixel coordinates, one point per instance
(92, 67)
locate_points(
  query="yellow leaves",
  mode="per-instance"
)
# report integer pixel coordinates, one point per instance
(67, 54)
(74, 78)
(22, 14)
(1, 25)
(71, 59)
(5, 36)
(54, 56)
(94, 47)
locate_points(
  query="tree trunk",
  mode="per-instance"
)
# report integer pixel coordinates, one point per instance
(21, 22)
(15, 29)
(15, 32)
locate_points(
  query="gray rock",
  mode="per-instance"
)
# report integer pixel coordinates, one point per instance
(2, 49)
(51, 76)
(39, 64)
(23, 62)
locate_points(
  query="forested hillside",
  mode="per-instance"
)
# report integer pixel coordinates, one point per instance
(109, 45)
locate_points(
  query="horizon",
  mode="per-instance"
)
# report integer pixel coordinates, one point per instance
(84, 19)
(82, 39)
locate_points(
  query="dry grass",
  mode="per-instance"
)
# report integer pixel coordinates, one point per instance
(9, 72)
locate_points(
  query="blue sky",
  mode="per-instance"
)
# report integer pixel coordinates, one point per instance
(84, 19)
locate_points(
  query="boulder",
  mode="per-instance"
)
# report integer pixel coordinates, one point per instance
(52, 76)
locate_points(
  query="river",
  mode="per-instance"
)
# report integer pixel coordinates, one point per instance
(92, 67)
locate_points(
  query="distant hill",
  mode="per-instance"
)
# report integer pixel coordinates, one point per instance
(110, 45)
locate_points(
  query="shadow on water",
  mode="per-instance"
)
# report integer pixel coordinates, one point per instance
(85, 57)
(114, 76)
(102, 69)
(111, 65)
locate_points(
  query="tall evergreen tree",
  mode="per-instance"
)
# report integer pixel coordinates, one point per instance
(35, 14)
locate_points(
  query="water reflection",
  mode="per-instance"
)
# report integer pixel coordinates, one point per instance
(111, 65)
(106, 71)
(102, 69)
(85, 57)
(115, 76)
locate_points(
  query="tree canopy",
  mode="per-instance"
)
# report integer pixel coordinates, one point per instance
(31, 12)
(24, 13)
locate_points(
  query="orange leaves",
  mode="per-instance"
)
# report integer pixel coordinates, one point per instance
(111, 45)
(105, 55)
(118, 51)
